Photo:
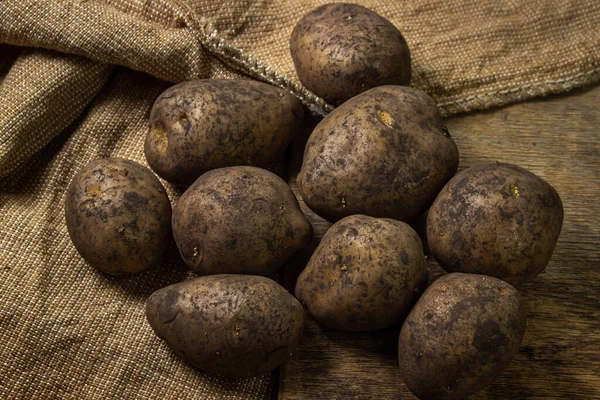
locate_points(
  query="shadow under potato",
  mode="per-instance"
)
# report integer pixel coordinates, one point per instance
(382, 342)
(169, 270)
(363, 365)
(225, 386)
(379, 343)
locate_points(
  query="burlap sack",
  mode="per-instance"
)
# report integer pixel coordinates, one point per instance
(67, 331)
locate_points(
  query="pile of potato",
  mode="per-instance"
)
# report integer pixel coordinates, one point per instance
(382, 157)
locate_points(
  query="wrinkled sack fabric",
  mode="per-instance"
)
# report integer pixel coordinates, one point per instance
(66, 98)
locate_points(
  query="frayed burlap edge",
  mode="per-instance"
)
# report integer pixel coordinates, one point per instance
(208, 37)
(213, 44)
(519, 93)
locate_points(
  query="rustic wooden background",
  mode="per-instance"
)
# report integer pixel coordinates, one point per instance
(557, 138)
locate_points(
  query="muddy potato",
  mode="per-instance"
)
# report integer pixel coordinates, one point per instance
(462, 333)
(201, 125)
(341, 50)
(232, 325)
(495, 219)
(364, 275)
(118, 216)
(239, 220)
(383, 153)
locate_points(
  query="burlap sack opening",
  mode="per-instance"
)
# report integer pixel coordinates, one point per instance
(70, 332)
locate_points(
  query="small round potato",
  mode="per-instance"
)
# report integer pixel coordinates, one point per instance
(364, 275)
(462, 333)
(495, 219)
(239, 220)
(341, 50)
(205, 124)
(118, 216)
(383, 153)
(232, 325)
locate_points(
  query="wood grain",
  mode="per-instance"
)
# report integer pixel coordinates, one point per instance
(558, 139)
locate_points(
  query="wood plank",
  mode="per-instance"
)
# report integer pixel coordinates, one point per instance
(558, 139)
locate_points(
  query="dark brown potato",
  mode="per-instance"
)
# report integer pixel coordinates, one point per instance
(118, 216)
(383, 153)
(462, 333)
(364, 275)
(341, 50)
(232, 325)
(239, 220)
(495, 219)
(201, 125)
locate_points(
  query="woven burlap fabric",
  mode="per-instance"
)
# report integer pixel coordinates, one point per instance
(67, 331)
(41, 85)
(467, 55)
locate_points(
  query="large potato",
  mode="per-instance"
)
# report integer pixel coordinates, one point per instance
(201, 125)
(118, 216)
(462, 333)
(242, 220)
(495, 219)
(364, 275)
(383, 153)
(341, 50)
(232, 325)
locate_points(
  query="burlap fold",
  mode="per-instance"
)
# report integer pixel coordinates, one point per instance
(41, 95)
(69, 332)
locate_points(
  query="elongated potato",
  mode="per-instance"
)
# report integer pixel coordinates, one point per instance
(201, 125)
(384, 153)
(232, 325)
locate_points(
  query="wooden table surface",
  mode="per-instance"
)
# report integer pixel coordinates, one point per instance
(557, 138)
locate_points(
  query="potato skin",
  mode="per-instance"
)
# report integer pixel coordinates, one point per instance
(232, 325)
(495, 219)
(239, 220)
(205, 124)
(364, 275)
(118, 216)
(462, 333)
(341, 50)
(383, 153)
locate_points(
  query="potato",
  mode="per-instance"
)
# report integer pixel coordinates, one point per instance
(201, 125)
(232, 325)
(118, 216)
(383, 153)
(495, 219)
(462, 333)
(341, 50)
(364, 275)
(239, 220)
